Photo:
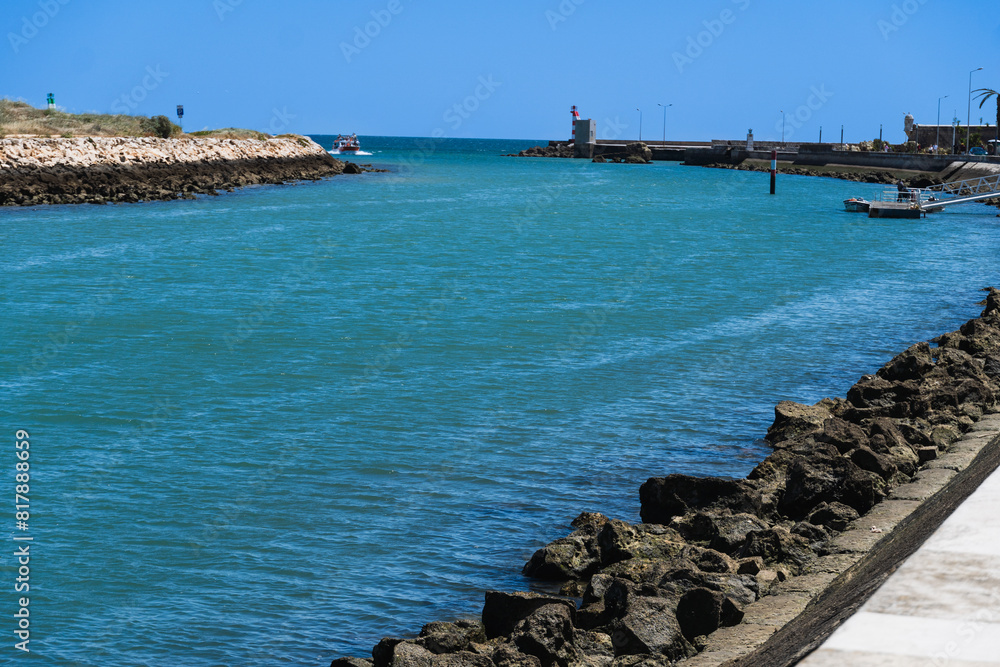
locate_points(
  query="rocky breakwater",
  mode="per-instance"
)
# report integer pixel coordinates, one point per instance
(99, 170)
(718, 565)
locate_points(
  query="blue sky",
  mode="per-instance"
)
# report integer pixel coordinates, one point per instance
(509, 69)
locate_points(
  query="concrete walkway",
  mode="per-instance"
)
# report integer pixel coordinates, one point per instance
(941, 608)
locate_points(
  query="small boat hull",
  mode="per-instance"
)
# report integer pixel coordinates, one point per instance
(857, 205)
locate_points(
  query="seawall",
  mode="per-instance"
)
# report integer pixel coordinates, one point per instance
(100, 170)
(753, 571)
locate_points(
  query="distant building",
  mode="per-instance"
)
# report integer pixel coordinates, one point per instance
(947, 135)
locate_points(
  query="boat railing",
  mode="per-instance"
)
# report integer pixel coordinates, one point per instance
(916, 196)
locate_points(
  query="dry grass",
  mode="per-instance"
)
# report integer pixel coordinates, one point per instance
(21, 118)
(231, 133)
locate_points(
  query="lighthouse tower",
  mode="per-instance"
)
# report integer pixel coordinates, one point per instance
(576, 117)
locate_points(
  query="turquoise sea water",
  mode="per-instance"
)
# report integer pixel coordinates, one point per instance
(273, 426)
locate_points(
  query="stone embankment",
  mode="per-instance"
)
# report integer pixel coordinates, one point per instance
(633, 153)
(752, 571)
(100, 170)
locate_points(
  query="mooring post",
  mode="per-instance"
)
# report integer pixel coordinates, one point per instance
(774, 168)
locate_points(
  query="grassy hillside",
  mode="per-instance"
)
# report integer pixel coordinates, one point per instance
(22, 118)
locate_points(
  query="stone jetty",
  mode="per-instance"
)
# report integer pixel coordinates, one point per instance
(100, 170)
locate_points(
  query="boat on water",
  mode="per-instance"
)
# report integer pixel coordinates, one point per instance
(346, 144)
(857, 205)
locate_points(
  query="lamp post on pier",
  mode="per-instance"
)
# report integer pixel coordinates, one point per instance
(782, 128)
(937, 134)
(968, 115)
(640, 122)
(665, 120)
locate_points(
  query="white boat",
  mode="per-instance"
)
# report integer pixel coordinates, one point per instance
(344, 144)
(857, 205)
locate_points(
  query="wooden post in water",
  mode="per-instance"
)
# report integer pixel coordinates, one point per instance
(774, 168)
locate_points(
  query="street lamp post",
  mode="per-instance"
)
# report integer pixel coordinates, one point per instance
(782, 127)
(937, 134)
(968, 116)
(640, 122)
(665, 120)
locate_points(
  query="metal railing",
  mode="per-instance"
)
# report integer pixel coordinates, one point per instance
(972, 186)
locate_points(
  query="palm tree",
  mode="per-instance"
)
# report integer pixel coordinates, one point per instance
(986, 94)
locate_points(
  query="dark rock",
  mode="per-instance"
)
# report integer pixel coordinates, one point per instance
(638, 153)
(926, 454)
(408, 654)
(813, 534)
(351, 168)
(641, 660)
(750, 565)
(648, 625)
(695, 526)
(698, 612)
(439, 637)
(904, 459)
(842, 434)
(506, 655)
(702, 611)
(597, 647)
(911, 364)
(778, 545)
(600, 159)
(663, 498)
(547, 633)
(573, 557)
(155, 181)
(591, 522)
(461, 659)
(503, 611)
(730, 531)
(809, 483)
(868, 460)
(793, 420)
(915, 437)
(351, 662)
(648, 575)
(383, 651)
(742, 588)
(835, 516)
(883, 397)
(710, 560)
(619, 541)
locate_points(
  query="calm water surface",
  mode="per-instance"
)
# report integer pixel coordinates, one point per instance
(273, 426)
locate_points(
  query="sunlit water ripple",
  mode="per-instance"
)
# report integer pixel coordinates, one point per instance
(273, 426)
